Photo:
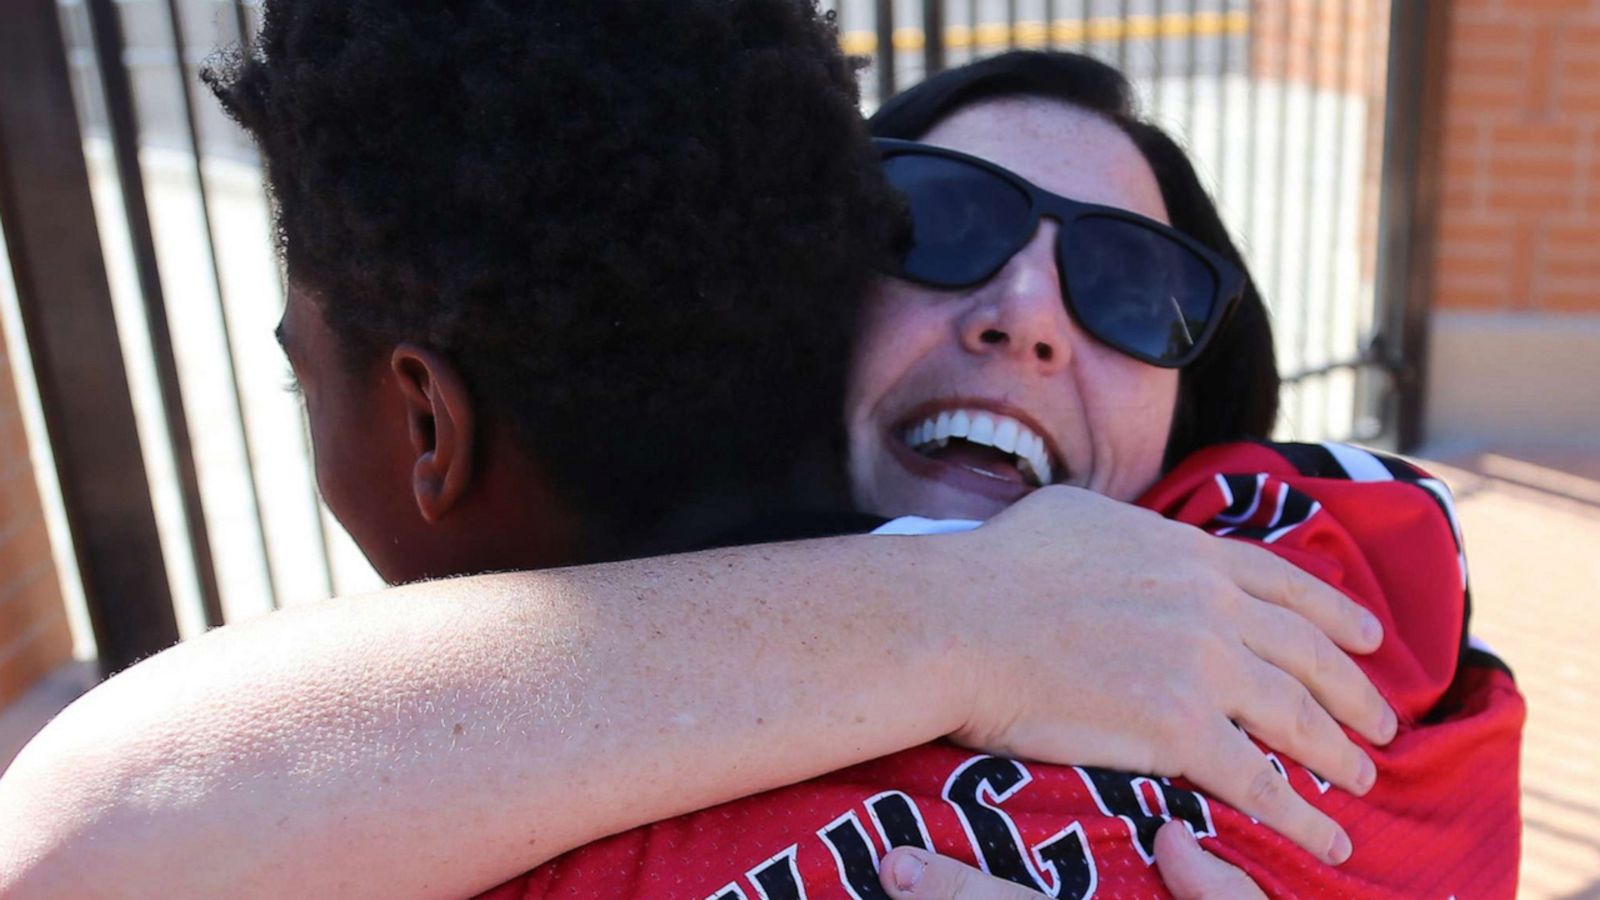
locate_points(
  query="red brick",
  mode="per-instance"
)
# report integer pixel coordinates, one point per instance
(1593, 173)
(24, 662)
(1538, 198)
(1458, 198)
(1555, 139)
(1471, 34)
(1487, 96)
(1581, 238)
(1562, 170)
(1576, 297)
(1572, 257)
(1475, 264)
(1541, 64)
(27, 598)
(1469, 295)
(1464, 170)
(1525, 245)
(1555, 8)
(1477, 233)
(25, 546)
(1579, 40)
(19, 497)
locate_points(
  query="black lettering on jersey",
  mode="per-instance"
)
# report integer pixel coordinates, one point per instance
(729, 892)
(1066, 857)
(1321, 783)
(1277, 766)
(778, 878)
(973, 790)
(1119, 794)
(858, 864)
(1244, 496)
(1294, 509)
(898, 821)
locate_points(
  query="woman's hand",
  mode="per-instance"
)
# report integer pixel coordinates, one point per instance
(1188, 872)
(1147, 640)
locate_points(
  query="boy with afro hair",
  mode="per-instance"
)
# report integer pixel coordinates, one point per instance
(539, 252)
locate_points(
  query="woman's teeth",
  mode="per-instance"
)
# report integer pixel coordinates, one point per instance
(986, 429)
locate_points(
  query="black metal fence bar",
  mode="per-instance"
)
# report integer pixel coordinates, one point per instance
(1122, 35)
(1341, 77)
(241, 22)
(1157, 58)
(64, 296)
(1252, 110)
(933, 37)
(1280, 213)
(1224, 94)
(1309, 210)
(122, 114)
(1191, 50)
(884, 64)
(197, 154)
(1406, 223)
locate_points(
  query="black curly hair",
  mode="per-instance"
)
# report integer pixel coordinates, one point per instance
(1231, 392)
(641, 228)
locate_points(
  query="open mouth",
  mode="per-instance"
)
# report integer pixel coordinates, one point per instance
(983, 442)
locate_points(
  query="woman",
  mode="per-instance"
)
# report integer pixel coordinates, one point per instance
(1109, 460)
(1048, 324)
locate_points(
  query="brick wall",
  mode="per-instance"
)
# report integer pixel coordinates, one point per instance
(34, 637)
(1520, 216)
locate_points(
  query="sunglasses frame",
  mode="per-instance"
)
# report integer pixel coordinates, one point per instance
(1230, 280)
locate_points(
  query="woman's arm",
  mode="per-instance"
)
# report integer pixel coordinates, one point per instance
(442, 737)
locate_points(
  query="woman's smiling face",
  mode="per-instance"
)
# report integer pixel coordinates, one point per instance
(1004, 361)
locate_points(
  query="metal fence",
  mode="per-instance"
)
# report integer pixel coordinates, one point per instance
(1284, 104)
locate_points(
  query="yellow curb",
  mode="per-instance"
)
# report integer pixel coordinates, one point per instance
(996, 36)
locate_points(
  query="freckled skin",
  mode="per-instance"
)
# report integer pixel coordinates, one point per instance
(1107, 415)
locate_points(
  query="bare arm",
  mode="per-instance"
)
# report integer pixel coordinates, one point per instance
(439, 738)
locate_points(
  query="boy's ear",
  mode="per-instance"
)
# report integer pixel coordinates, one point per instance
(443, 427)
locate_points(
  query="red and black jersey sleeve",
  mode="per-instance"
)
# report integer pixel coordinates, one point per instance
(1441, 822)
(1377, 527)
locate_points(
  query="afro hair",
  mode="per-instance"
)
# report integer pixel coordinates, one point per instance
(641, 228)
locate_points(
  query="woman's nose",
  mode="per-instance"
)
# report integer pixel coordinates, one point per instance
(1020, 312)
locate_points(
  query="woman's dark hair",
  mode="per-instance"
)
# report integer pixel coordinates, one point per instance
(1231, 392)
(641, 228)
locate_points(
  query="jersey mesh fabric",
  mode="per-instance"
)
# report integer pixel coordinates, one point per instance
(1442, 820)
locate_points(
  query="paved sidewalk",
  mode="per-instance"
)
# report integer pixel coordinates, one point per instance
(1531, 519)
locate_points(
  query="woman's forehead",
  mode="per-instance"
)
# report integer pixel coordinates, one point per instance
(1062, 148)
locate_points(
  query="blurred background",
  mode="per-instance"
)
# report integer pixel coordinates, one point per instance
(1416, 186)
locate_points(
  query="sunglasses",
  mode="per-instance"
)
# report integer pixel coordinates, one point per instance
(1134, 284)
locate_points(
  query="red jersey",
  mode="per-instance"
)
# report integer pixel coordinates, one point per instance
(1441, 822)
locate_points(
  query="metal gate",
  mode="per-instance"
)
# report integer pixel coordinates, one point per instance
(1302, 115)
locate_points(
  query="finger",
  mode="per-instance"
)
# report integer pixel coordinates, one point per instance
(1294, 645)
(1190, 873)
(1281, 713)
(1281, 583)
(909, 872)
(1234, 771)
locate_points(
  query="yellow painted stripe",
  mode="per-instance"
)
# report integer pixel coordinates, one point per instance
(996, 36)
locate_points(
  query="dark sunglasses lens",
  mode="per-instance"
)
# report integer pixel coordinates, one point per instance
(965, 221)
(1136, 289)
